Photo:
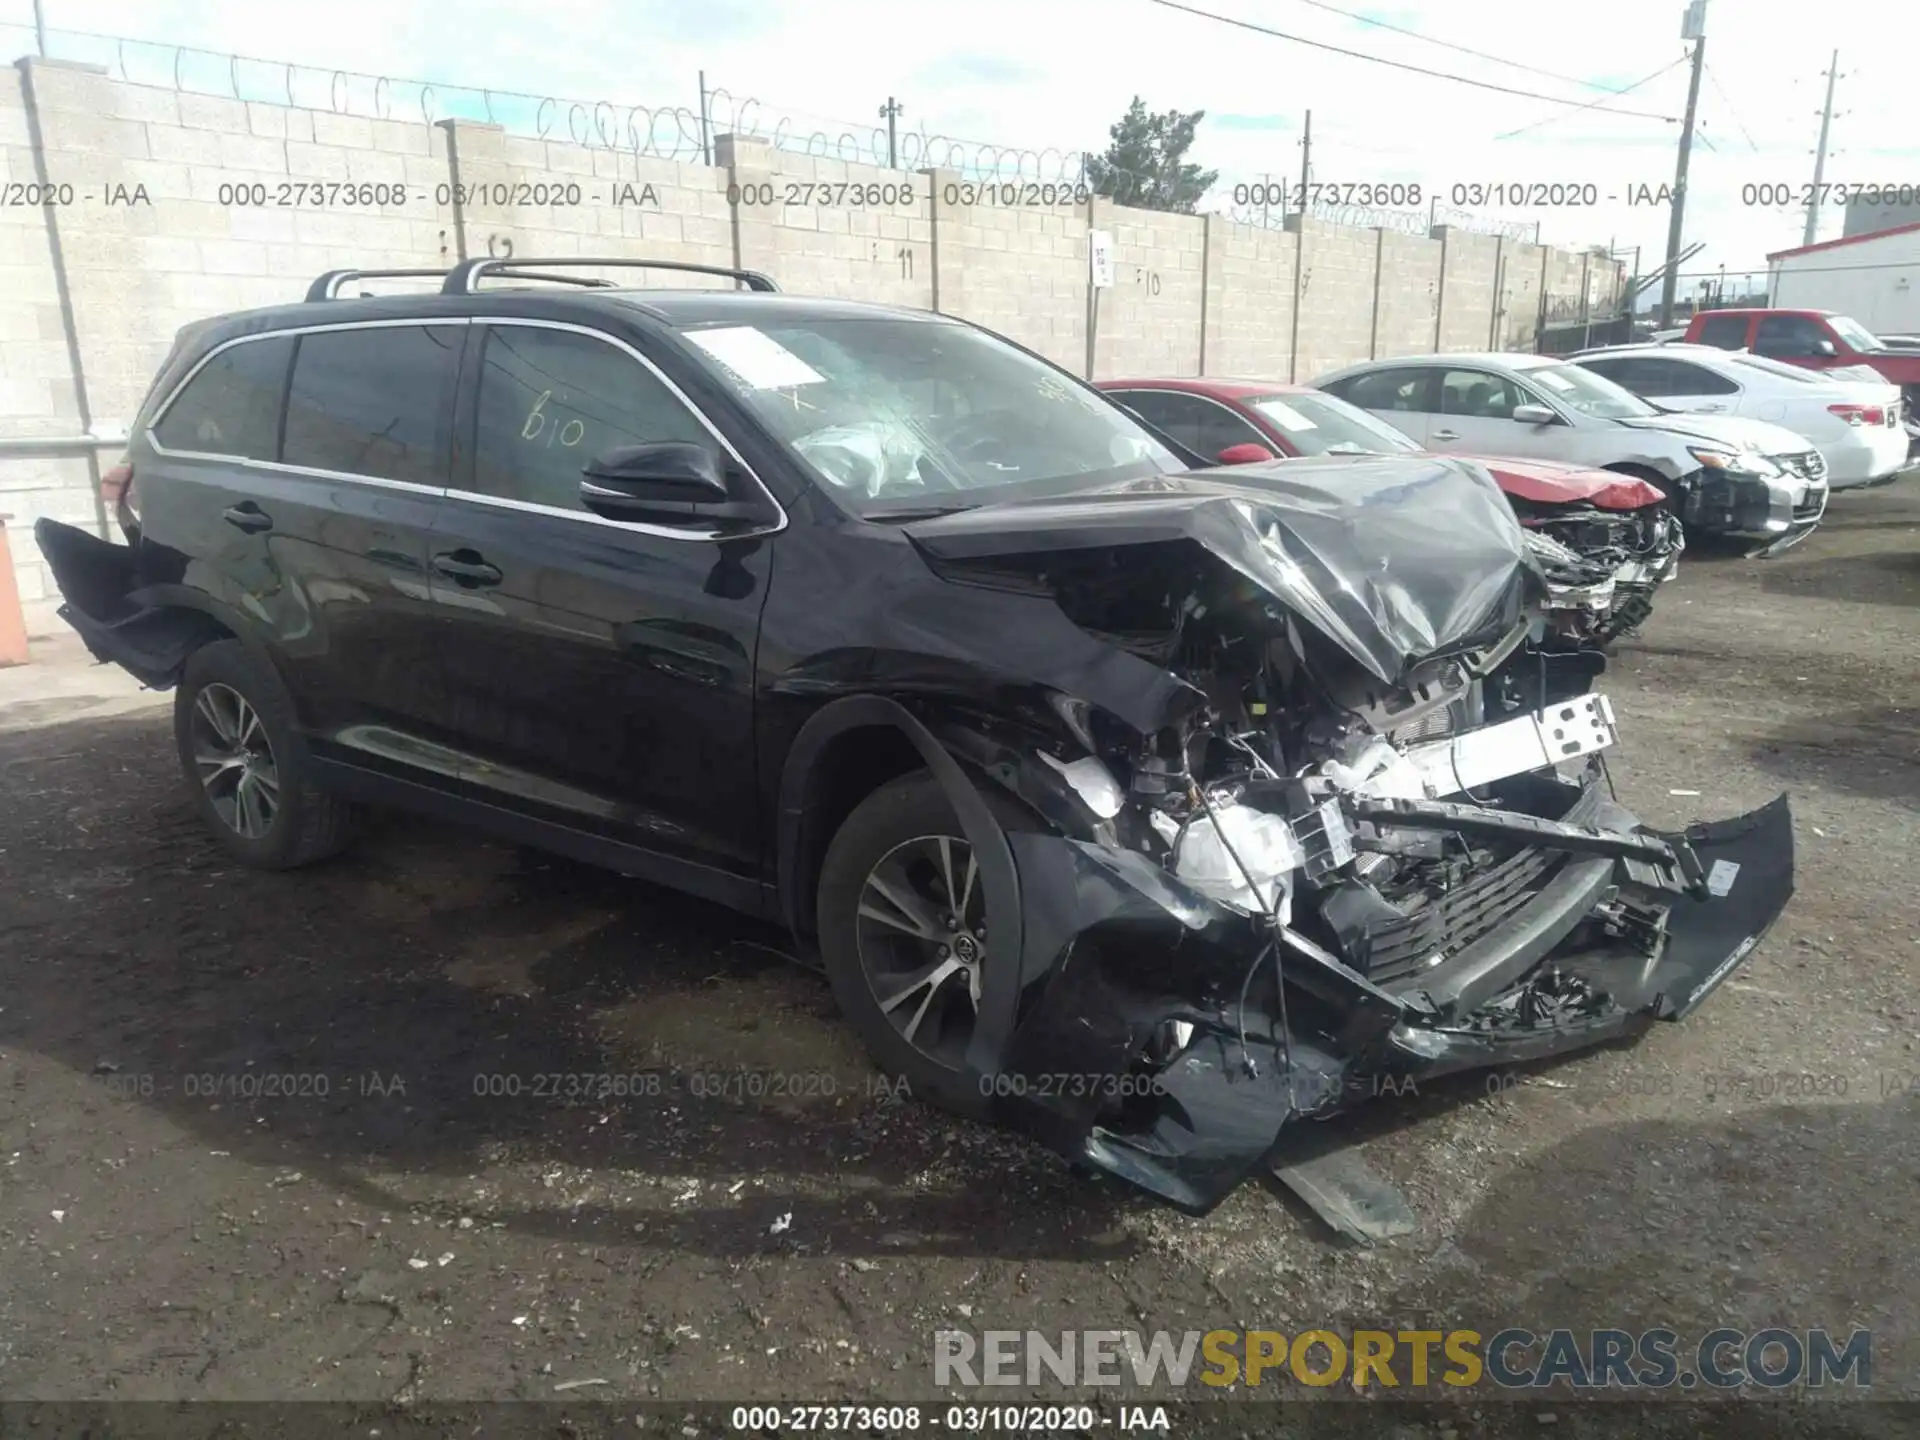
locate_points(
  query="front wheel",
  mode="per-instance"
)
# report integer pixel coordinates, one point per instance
(903, 934)
(242, 755)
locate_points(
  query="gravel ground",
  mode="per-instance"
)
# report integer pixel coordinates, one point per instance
(255, 1140)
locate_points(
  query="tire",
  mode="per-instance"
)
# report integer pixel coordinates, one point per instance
(246, 764)
(895, 832)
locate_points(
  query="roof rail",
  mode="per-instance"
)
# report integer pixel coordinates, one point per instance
(328, 285)
(463, 278)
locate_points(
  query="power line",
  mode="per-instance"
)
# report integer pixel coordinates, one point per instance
(1398, 64)
(1535, 125)
(1730, 110)
(1462, 49)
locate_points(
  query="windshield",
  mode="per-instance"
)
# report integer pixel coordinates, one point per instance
(1588, 393)
(1857, 336)
(1328, 425)
(896, 414)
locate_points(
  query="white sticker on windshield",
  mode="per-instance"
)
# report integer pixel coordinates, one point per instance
(1289, 418)
(1547, 377)
(756, 357)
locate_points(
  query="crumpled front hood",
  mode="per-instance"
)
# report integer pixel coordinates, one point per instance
(1552, 482)
(1727, 430)
(1395, 558)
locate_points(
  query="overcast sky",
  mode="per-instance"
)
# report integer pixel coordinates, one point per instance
(1057, 73)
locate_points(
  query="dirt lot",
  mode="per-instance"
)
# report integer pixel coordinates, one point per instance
(170, 1228)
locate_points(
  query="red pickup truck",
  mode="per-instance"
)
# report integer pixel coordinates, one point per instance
(1816, 339)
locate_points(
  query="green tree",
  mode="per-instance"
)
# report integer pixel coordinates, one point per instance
(1146, 164)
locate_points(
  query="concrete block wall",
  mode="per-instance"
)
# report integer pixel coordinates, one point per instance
(185, 205)
(1019, 270)
(1522, 270)
(516, 196)
(1249, 330)
(1148, 321)
(851, 231)
(1466, 290)
(1338, 271)
(1409, 309)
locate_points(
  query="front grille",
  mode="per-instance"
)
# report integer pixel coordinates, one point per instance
(1453, 921)
(1807, 464)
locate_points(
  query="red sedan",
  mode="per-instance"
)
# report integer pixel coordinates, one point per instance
(1623, 541)
(1213, 417)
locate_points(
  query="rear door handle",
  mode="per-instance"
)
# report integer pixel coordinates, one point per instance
(466, 567)
(247, 516)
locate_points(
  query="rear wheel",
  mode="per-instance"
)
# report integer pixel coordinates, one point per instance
(903, 933)
(251, 777)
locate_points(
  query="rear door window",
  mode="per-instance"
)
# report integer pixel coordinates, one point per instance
(373, 402)
(1725, 332)
(551, 400)
(232, 404)
(1406, 389)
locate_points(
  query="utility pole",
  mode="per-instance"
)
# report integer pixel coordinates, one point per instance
(706, 139)
(40, 29)
(890, 112)
(1306, 160)
(1820, 155)
(1693, 28)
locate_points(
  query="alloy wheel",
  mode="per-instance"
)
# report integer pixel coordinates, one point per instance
(922, 938)
(233, 760)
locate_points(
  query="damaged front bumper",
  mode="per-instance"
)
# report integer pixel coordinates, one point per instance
(1602, 574)
(1169, 1037)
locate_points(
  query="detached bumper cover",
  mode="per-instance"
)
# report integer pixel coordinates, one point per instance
(1117, 954)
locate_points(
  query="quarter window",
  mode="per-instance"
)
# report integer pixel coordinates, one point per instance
(1402, 389)
(232, 405)
(372, 401)
(551, 400)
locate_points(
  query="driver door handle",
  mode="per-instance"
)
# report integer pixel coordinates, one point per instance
(1446, 434)
(466, 567)
(248, 517)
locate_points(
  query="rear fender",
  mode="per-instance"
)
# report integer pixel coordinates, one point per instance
(146, 634)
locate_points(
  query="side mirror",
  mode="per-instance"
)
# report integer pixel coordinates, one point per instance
(1534, 415)
(1824, 347)
(1246, 453)
(667, 481)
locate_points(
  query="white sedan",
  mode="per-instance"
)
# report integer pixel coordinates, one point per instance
(1854, 422)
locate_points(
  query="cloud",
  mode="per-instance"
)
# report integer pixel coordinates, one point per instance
(1252, 124)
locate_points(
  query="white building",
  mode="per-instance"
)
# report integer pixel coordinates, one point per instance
(1873, 278)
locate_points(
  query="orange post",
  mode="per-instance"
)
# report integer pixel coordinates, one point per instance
(13, 621)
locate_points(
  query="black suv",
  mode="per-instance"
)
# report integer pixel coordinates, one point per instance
(1144, 806)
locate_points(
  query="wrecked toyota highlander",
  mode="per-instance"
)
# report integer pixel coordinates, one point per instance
(1151, 809)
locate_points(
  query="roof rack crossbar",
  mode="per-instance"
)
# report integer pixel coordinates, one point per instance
(327, 287)
(553, 279)
(463, 278)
